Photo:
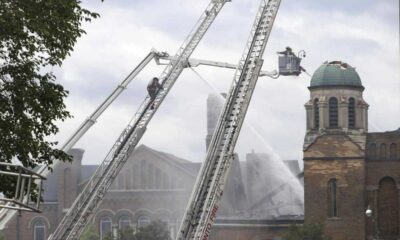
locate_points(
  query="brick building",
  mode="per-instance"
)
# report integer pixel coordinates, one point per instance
(347, 169)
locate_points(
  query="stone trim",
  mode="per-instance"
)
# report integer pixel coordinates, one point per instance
(337, 86)
(334, 219)
(142, 211)
(36, 218)
(121, 212)
(104, 212)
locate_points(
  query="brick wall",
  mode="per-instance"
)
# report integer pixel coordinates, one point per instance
(335, 157)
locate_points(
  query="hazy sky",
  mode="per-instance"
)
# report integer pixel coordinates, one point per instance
(363, 33)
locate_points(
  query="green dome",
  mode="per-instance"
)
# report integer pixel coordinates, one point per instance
(334, 74)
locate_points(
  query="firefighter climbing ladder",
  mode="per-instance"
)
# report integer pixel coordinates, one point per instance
(203, 203)
(74, 222)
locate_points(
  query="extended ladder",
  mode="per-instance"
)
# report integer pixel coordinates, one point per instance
(204, 201)
(74, 222)
(7, 214)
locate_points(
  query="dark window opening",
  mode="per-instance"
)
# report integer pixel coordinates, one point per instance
(39, 230)
(316, 113)
(333, 113)
(382, 151)
(332, 196)
(388, 209)
(105, 227)
(393, 151)
(372, 151)
(124, 222)
(352, 113)
(143, 221)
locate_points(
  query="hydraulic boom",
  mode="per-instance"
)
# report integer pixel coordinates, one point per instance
(73, 223)
(192, 62)
(204, 201)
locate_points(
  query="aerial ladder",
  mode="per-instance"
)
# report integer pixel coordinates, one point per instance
(205, 198)
(81, 211)
(9, 210)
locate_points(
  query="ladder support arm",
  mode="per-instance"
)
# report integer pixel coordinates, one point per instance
(193, 62)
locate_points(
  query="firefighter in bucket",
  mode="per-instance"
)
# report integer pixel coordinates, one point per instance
(289, 63)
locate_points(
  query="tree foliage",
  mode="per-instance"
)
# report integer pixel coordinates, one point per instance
(156, 230)
(89, 233)
(306, 232)
(35, 35)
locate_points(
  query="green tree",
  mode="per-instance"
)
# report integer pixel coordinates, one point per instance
(306, 232)
(89, 233)
(126, 234)
(35, 35)
(156, 230)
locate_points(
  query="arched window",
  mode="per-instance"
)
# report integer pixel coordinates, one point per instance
(352, 113)
(316, 113)
(393, 151)
(333, 112)
(39, 230)
(372, 151)
(124, 222)
(332, 197)
(143, 221)
(388, 208)
(382, 152)
(105, 227)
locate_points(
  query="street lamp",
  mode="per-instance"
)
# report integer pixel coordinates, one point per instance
(368, 213)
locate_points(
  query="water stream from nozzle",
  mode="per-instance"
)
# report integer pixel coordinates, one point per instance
(284, 176)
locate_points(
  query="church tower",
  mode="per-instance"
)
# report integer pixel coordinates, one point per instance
(334, 151)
